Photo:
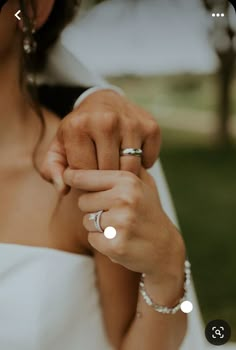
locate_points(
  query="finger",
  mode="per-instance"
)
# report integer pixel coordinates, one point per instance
(100, 242)
(79, 147)
(150, 182)
(54, 165)
(151, 146)
(105, 221)
(92, 202)
(113, 248)
(108, 154)
(91, 180)
(114, 217)
(107, 142)
(147, 178)
(131, 163)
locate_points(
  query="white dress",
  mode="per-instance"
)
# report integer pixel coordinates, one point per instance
(60, 287)
(49, 299)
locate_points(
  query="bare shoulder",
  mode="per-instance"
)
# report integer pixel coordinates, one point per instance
(118, 289)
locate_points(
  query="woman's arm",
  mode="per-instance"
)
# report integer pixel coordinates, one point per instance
(130, 322)
(147, 242)
(153, 329)
(118, 289)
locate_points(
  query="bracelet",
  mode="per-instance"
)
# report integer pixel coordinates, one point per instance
(164, 309)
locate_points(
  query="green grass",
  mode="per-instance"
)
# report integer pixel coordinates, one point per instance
(202, 179)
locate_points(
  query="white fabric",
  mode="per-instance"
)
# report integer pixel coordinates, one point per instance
(75, 72)
(195, 335)
(48, 301)
(90, 91)
(195, 338)
(65, 66)
(126, 37)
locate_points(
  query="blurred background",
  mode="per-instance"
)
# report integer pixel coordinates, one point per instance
(176, 58)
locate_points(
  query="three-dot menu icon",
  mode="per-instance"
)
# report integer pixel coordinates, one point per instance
(218, 14)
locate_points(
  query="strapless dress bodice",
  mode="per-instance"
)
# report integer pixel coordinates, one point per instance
(49, 300)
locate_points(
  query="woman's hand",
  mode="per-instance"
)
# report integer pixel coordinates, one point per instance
(146, 240)
(92, 135)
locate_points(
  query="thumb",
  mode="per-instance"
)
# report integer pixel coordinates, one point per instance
(150, 182)
(54, 165)
(147, 178)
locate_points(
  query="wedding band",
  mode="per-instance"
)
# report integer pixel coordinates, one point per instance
(137, 152)
(95, 217)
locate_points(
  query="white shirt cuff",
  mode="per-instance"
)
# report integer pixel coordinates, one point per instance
(90, 91)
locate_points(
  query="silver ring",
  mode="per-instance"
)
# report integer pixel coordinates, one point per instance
(95, 217)
(137, 152)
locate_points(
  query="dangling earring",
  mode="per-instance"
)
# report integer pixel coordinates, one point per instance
(29, 43)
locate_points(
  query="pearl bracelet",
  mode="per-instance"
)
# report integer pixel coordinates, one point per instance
(164, 309)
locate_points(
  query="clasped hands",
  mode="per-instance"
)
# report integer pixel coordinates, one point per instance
(85, 154)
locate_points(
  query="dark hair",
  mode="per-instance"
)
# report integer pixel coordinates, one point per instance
(62, 13)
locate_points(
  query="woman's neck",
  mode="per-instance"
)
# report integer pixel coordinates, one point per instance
(18, 122)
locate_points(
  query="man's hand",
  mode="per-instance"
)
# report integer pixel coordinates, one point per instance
(91, 137)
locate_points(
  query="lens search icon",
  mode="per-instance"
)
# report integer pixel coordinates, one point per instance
(218, 332)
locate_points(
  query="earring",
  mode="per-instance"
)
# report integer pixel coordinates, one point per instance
(29, 43)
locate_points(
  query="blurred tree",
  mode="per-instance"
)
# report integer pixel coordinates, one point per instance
(223, 36)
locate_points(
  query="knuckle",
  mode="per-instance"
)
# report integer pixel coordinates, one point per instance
(123, 198)
(154, 129)
(110, 122)
(129, 198)
(134, 199)
(119, 249)
(78, 122)
(130, 193)
(74, 179)
(129, 219)
(72, 123)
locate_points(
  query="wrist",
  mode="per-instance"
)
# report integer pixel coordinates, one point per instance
(167, 292)
(167, 281)
(167, 304)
